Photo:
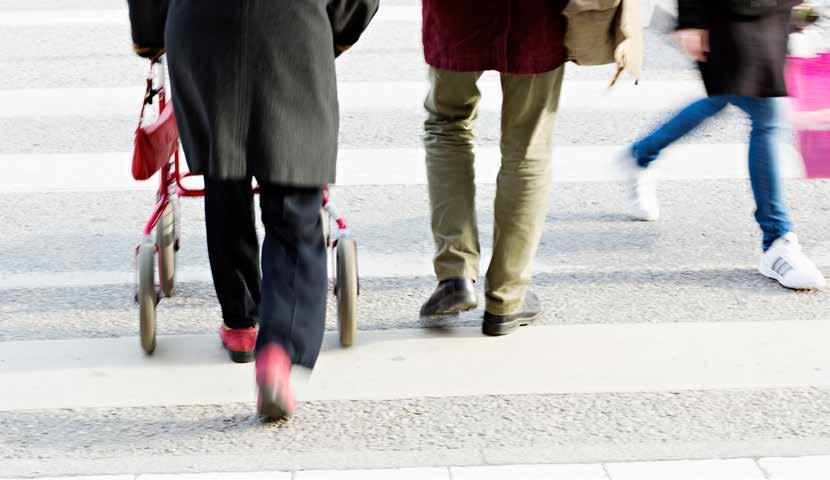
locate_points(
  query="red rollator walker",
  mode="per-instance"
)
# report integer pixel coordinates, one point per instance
(161, 239)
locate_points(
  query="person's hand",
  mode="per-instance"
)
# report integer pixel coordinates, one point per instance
(694, 42)
(803, 16)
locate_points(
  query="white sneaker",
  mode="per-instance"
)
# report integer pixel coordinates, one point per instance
(784, 261)
(641, 198)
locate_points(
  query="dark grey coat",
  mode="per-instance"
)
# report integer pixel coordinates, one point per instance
(253, 83)
(747, 54)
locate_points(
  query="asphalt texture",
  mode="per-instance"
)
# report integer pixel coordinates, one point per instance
(698, 263)
(449, 431)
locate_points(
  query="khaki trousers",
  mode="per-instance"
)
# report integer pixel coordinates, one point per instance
(528, 114)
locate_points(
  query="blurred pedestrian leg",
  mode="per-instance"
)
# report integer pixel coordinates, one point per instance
(289, 303)
(771, 212)
(649, 148)
(641, 200)
(293, 306)
(740, 48)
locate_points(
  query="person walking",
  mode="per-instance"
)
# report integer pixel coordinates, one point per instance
(524, 42)
(740, 47)
(254, 94)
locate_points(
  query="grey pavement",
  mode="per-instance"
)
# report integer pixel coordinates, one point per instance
(696, 264)
(584, 428)
(394, 128)
(80, 56)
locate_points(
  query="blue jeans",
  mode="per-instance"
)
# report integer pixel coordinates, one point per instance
(770, 212)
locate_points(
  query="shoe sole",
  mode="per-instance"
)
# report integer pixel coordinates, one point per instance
(454, 309)
(770, 273)
(500, 329)
(271, 405)
(239, 357)
(644, 218)
(640, 215)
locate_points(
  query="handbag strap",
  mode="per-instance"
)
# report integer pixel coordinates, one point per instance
(149, 92)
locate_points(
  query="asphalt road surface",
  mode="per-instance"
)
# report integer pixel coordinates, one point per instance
(67, 275)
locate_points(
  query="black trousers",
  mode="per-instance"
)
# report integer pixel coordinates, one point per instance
(289, 302)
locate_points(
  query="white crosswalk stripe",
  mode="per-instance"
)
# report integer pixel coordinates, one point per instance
(357, 96)
(389, 363)
(803, 468)
(407, 364)
(111, 171)
(64, 18)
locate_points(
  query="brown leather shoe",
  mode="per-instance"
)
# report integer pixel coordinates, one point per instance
(451, 296)
(496, 325)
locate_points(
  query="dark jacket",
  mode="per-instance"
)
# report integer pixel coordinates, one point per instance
(253, 83)
(510, 36)
(747, 54)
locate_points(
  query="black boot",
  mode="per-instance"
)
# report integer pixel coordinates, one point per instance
(454, 295)
(503, 324)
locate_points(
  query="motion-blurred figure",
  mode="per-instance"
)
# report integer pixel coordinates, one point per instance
(741, 50)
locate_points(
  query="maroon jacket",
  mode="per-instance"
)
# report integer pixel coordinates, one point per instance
(511, 36)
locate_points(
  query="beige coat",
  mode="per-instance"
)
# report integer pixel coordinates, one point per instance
(601, 32)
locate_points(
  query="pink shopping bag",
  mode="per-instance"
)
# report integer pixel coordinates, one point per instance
(808, 81)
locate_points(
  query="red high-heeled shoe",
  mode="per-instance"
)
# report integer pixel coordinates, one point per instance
(275, 399)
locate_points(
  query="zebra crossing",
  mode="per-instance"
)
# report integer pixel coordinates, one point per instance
(659, 341)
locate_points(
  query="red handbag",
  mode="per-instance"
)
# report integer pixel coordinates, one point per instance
(155, 143)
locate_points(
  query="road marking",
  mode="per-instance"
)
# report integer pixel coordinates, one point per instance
(397, 364)
(791, 468)
(63, 18)
(648, 96)
(358, 96)
(92, 477)
(69, 172)
(372, 265)
(578, 163)
(530, 472)
(739, 469)
(797, 468)
(216, 476)
(73, 17)
(377, 474)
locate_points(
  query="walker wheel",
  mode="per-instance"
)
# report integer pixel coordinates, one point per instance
(346, 290)
(147, 296)
(166, 241)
